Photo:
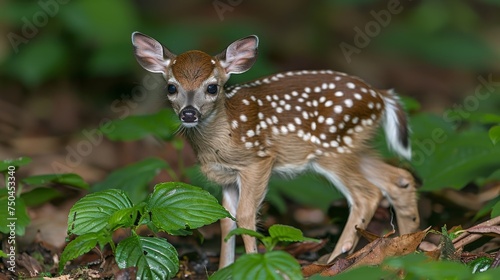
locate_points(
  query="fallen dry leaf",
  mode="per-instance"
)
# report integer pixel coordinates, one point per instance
(375, 252)
(296, 249)
(371, 236)
(372, 254)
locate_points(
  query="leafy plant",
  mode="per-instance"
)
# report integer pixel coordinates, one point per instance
(17, 195)
(175, 208)
(270, 265)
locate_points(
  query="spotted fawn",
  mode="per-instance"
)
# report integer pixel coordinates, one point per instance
(287, 123)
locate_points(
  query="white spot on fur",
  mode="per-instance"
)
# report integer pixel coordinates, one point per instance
(337, 109)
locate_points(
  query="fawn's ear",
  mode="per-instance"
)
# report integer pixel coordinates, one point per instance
(150, 54)
(240, 55)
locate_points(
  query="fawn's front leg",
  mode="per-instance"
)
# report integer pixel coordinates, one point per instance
(242, 200)
(253, 181)
(230, 197)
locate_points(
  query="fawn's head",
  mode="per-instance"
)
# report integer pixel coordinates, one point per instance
(195, 80)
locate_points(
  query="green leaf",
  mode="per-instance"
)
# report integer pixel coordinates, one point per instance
(480, 264)
(410, 104)
(288, 234)
(163, 125)
(93, 212)
(12, 207)
(271, 265)
(154, 257)
(40, 195)
(69, 179)
(122, 218)
(495, 211)
(487, 208)
(77, 247)
(133, 178)
(196, 178)
(418, 266)
(494, 134)
(315, 185)
(175, 206)
(37, 62)
(225, 273)
(241, 231)
(4, 164)
(455, 160)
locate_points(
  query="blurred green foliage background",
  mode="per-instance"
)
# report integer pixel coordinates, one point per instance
(65, 63)
(88, 42)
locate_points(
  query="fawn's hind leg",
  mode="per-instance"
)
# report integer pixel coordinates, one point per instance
(362, 196)
(399, 186)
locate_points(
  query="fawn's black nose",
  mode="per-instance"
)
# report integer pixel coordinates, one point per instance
(189, 115)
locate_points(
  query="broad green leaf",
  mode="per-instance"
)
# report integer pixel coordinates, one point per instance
(454, 160)
(36, 63)
(197, 178)
(495, 211)
(484, 118)
(271, 265)
(154, 257)
(320, 193)
(133, 178)
(487, 208)
(241, 231)
(122, 218)
(3, 254)
(480, 264)
(77, 247)
(163, 125)
(225, 273)
(288, 234)
(92, 212)
(40, 195)
(69, 179)
(410, 104)
(4, 164)
(174, 206)
(13, 214)
(418, 266)
(494, 134)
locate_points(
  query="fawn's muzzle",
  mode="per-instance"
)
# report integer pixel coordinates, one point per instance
(189, 115)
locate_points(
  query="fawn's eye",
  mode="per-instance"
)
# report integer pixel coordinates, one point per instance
(171, 89)
(212, 88)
